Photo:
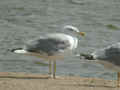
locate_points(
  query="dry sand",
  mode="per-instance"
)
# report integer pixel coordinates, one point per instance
(24, 81)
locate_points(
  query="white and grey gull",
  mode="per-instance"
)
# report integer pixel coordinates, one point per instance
(52, 46)
(108, 56)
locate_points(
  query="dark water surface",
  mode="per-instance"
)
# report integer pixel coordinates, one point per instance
(21, 20)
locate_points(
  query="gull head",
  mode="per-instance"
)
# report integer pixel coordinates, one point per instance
(73, 29)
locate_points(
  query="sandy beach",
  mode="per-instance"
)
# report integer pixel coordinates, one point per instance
(25, 81)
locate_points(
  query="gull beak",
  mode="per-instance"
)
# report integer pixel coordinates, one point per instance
(82, 33)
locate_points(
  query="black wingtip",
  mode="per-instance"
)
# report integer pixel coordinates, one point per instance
(12, 50)
(87, 56)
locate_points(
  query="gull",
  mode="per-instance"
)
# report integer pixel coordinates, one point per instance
(109, 57)
(52, 46)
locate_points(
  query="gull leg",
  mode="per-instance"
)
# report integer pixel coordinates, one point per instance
(54, 68)
(50, 71)
(118, 79)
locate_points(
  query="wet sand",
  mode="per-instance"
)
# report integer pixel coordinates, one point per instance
(25, 81)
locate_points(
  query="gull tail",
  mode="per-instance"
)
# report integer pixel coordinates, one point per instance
(87, 56)
(18, 50)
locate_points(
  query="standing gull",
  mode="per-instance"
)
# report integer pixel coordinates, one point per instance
(109, 57)
(52, 46)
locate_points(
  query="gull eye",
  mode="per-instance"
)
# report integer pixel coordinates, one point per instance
(70, 29)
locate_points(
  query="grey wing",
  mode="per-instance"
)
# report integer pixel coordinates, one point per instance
(49, 46)
(112, 54)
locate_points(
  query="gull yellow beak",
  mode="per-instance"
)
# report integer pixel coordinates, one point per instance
(82, 33)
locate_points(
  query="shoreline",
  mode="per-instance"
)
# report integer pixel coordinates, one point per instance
(28, 81)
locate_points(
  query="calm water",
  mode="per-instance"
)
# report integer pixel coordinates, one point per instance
(21, 20)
